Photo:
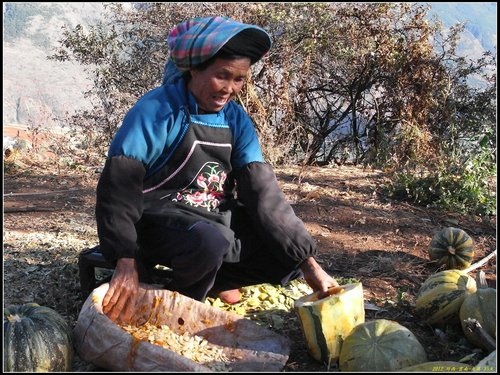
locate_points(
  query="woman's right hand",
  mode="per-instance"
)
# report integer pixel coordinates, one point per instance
(119, 302)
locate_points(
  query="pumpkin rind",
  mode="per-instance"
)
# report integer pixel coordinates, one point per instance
(488, 363)
(442, 294)
(452, 247)
(380, 345)
(36, 339)
(482, 306)
(328, 321)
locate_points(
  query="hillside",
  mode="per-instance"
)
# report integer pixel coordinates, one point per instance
(40, 92)
(37, 90)
(480, 23)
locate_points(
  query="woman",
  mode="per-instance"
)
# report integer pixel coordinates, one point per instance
(185, 184)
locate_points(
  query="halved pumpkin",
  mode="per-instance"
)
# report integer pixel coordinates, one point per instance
(326, 322)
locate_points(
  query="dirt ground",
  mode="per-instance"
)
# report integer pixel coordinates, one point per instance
(362, 235)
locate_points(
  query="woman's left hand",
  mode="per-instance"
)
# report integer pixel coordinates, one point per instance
(316, 277)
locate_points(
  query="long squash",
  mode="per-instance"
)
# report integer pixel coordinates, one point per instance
(442, 294)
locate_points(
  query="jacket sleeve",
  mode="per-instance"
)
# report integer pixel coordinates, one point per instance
(272, 215)
(119, 206)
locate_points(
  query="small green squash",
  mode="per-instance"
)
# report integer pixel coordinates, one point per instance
(452, 247)
(36, 339)
(482, 306)
(440, 296)
(380, 345)
(438, 366)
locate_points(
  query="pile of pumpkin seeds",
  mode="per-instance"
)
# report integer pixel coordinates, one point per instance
(190, 346)
(266, 304)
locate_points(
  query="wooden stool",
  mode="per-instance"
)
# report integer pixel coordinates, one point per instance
(90, 259)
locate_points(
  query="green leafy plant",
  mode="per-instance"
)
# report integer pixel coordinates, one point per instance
(465, 186)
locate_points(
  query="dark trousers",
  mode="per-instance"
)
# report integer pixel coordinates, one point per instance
(196, 256)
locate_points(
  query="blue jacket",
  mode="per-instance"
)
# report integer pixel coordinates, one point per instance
(145, 142)
(154, 127)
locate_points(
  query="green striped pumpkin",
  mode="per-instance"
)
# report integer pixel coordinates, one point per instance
(36, 339)
(442, 294)
(452, 247)
(380, 345)
(326, 322)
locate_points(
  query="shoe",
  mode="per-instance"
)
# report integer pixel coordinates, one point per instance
(231, 296)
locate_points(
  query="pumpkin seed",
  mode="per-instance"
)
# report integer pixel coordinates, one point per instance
(191, 346)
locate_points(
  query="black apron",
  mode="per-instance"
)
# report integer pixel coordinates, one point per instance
(193, 185)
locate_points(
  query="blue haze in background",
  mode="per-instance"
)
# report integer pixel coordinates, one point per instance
(37, 89)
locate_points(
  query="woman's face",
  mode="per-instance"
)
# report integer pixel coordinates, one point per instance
(220, 82)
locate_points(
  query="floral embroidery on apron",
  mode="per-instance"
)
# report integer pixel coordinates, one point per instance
(210, 191)
(196, 173)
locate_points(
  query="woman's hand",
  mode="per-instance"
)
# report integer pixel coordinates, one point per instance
(119, 302)
(316, 277)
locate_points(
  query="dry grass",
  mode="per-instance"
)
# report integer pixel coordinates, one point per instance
(361, 236)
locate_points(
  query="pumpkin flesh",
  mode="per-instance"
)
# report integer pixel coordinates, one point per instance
(326, 322)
